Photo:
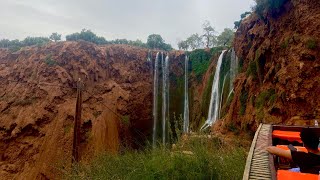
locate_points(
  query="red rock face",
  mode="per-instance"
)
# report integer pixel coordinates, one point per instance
(286, 49)
(37, 104)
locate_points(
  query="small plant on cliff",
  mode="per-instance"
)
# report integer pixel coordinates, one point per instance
(49, 61)
(285, 44)
(252, 70)
(243, 101)
(266, 98)
(311, 43)
(126, 120)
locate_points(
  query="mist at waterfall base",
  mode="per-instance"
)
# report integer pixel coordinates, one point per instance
(230, 65)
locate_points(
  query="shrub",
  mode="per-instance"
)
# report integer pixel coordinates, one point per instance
(265, 6)
(284, 44)
(126, 120)
(49, 61)
(311, 43)
(266, 98)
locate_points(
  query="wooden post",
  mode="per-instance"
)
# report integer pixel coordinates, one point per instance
(77, 124)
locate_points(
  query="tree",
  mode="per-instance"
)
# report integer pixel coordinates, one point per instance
(210, 38)
(243, 15)
(30, 41)
(55, 37)
(195, 41)
(155, 41)
(86, 35)
(183, 45)
(226, 37)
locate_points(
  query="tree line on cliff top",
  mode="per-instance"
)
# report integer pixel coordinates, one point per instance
(154, 41)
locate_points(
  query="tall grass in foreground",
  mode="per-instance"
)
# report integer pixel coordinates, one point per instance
(195, 159)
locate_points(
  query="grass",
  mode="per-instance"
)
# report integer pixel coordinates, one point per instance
(198, 159)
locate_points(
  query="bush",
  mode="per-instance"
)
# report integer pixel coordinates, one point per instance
(311, 43)
(49, 61)
(200, 59)
(266, 98)
(268, 6)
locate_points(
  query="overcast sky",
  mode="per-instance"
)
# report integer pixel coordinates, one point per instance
(131, 19)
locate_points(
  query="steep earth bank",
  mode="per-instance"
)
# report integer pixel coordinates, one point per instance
(38, 96)
(279, 56)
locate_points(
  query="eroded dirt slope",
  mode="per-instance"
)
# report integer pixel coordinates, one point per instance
(37, 104)
(280, 80)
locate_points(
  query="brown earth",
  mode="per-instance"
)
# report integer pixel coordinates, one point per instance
(285, 48)
(38, 99)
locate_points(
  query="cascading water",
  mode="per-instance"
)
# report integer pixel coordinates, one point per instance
(233, 70)
(165, 94)
(221, 94)
(186, 98)
(155, 99)
(215, 96)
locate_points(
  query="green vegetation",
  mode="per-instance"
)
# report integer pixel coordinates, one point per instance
(311, 43)
(225, 38)
(243, 15)
(268, 6)
(155, 41)
(198, 159)
(49, 61)
(55, 37)
(252, 70)
(125, 120)
(207, 39)
(200, 60)
(15, 45)
(243, 101)
(285, 44)
(266, 98)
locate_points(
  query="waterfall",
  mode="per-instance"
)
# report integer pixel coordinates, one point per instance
(233, 68)
(221, 94)
(234, 65)
(186, 98)
(155, 98)
(165, 95)
(215, 95)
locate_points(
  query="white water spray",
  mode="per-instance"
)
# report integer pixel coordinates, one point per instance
(215, 96)
(155, 98)
(165, 94)
(186, 98)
